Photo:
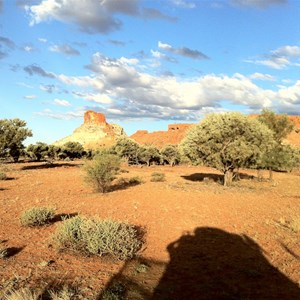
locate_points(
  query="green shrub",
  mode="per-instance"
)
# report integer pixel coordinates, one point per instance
(3, 175)
(101, 171)
(116, 291)
(63, 294)
(37, 216)
(98, 237)
(157, 177)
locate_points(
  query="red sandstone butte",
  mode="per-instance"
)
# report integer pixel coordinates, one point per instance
(92, 117)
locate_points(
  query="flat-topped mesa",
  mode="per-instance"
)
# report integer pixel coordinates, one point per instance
(94, 132)
(94, 118)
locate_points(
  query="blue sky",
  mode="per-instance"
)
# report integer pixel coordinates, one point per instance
(145, 63)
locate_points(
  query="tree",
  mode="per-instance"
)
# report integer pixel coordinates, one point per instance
(280, 125)
(128, 149)
(148, 154)
(101, 171)
(38, 151)
(170, 154)
(72, 150)
(279, 155)
(12, 134)
(227, 142)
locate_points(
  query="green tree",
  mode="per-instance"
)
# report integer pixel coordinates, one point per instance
(101, 171)
(13, 133)
(148, 154)
(227, 142)
(170, 154)
(127, 149)
(280, 125)
(37, 151)
(72, 150)
(279, 155)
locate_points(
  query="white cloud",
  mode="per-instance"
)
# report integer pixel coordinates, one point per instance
(65, 49)
(29, 97)
(94, 97)
(61, 102)
(258, 3)
(91, 16)
(140, 93)
(184, 3)
(280, 58)
(183, 51)
(260, 76)
(43, 40)
(28, 48)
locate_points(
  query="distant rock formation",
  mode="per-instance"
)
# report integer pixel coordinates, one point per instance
(94, 132)
(173, 136)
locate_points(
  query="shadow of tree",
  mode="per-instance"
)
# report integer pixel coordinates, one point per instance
(49, 166)
(12, 251)
(208, 264)
(123, 185)
(214, 177)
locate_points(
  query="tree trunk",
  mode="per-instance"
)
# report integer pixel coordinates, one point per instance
(259, 175)
(270, 174)
(228, 175)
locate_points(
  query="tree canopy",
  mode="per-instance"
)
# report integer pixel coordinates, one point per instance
(227, 142)
(13, 132)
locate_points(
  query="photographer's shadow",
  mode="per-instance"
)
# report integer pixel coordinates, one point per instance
(214, 264)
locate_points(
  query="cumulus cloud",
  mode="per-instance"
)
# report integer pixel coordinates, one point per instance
(28, 48)
(183, 51)
(42, 40)
(37, 70)
(91, 16)
(61, 102)
(49, 88)
(65, 49)
(60, 116)
(280, 58)
(258, 3)
(137, 93)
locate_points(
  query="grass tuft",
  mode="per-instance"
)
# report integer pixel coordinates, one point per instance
(37, 216)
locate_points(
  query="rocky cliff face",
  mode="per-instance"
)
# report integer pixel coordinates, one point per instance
(94, 132)
(174, 135)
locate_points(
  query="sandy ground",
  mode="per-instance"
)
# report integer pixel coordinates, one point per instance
(203, 241)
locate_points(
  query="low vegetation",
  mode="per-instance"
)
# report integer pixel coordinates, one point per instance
(101, 171)
(158, 177)
(37, 216)
(98, 237)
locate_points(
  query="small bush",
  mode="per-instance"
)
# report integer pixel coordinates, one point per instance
(295, 224)
(101, 171)
(116, 291)
(98, 237)
(22, 294)
(157, 177)
(37, 216)
(3, 175)
(64, 294)
(3, 252)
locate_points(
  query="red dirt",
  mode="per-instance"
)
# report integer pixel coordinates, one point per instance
(203, 241)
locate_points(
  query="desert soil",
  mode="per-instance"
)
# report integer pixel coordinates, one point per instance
(202, 240)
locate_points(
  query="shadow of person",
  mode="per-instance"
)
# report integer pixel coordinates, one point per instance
(215, 264)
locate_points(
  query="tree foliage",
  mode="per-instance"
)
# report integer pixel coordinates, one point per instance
(13, 132)
(170, 154)
(280, 125)
(148, 154)
(227, 142)
(72, 150)
(37, 151)
(128, 149)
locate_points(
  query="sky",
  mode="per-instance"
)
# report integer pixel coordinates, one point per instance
(145, 63)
